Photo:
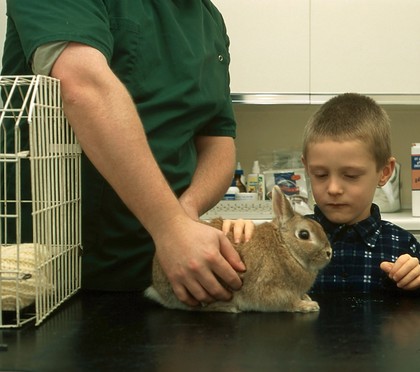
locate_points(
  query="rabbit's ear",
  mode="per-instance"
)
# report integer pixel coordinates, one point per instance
(281, 205)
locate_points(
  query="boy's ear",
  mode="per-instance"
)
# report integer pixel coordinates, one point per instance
(387, 171)
(302, 159)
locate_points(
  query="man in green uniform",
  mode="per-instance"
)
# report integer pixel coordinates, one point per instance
(145, 86)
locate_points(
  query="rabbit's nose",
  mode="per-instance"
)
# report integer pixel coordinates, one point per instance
(329, 252)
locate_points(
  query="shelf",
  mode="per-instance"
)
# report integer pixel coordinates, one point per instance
(317, 98)
(271, 98)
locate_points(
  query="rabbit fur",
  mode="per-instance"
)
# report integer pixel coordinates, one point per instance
(282, 259)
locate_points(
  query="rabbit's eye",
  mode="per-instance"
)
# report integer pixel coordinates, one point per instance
(303, 234)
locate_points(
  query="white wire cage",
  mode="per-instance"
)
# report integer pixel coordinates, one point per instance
(40, 201)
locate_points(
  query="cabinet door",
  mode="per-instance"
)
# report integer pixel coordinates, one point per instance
(370, 47)
(269, 45)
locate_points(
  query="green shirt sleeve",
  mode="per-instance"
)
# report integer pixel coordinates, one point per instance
(43, 21)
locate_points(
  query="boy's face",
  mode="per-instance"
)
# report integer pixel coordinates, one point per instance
(344, 179)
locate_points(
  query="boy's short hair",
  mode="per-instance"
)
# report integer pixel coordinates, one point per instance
(351, 116)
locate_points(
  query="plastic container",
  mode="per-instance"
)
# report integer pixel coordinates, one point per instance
(231, 191)
(246, 196)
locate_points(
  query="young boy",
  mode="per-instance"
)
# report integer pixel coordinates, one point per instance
(347, 154)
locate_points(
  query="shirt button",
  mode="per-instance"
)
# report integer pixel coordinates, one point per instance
(221, 58)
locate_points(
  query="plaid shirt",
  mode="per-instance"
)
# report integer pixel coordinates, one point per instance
(358, 251)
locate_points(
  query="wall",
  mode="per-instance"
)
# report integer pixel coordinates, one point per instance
(271, 127)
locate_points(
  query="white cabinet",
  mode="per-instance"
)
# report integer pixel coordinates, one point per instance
(269, 45)
(365, 46)
(317, 48)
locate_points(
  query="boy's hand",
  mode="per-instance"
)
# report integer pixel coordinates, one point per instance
(405, 272)
(242, 229)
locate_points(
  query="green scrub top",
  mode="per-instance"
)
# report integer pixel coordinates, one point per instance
(173, 57)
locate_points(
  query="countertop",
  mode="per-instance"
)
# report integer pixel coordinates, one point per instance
(403, 218)
(124, 332)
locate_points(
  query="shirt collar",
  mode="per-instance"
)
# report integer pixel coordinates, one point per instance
(368, 229)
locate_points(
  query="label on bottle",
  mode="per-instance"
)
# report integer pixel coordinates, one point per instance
(252, 183)
(256, 185)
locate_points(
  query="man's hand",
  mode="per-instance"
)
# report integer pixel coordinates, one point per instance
(405, 272)
(199, 261)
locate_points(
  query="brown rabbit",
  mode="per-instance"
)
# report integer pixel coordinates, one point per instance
(282, 258)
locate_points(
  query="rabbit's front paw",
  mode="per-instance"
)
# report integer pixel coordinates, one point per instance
(307, 306)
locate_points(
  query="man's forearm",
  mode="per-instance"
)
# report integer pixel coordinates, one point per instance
(214, 172)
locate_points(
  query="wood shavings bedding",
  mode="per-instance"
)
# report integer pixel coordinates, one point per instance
(18, 282)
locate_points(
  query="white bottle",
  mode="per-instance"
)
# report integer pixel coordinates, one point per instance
(231, 191)
(255, 181)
